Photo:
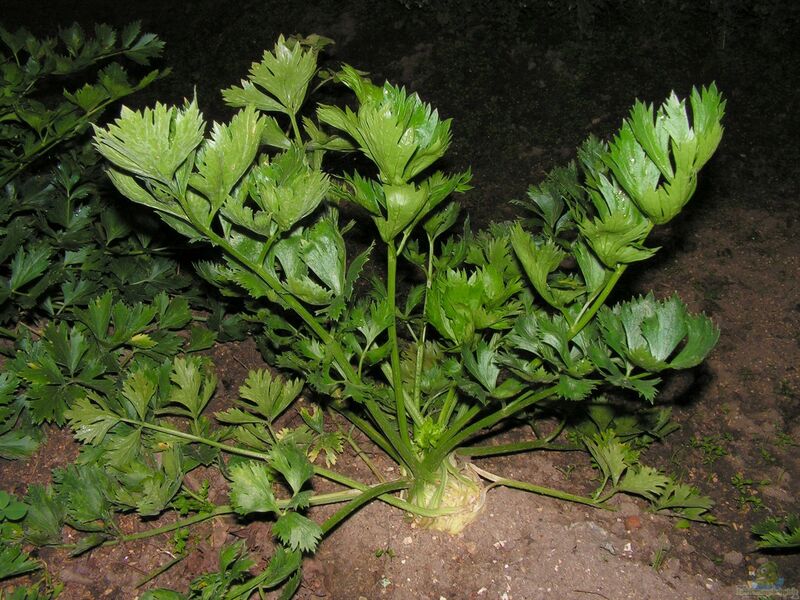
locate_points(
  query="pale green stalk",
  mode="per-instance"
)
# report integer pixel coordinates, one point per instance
(417, 396)
(397, 378)
(451, 442)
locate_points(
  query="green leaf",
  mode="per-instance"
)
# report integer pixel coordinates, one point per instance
(702, 336)
(147, 47)
(648, 332)
(288, 187)
(269, 395)
(313, 418)
(611, 456)
(139, 388)
(174, 313)
(685, 501)
(160, 485)
(644, 481)
(193, 385)
(91, 419)
(86, 491)
(28, 265)
(251, 489)
(152, 143)
(574, 388)
(14, 561)
(482, 365)
(297, 532)
(778, 533)
(292, 463)
(223, 159)
(285, 73)
(200, 338)
(401, 134)
(42, 524)
(282, 564)
(11, 509)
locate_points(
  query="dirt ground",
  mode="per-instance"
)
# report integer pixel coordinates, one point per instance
(525, 83)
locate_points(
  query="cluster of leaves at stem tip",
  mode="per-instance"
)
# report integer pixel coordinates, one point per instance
(491, 325)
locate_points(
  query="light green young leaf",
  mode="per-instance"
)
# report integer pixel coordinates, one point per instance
(91, 419)
(669, 148)
(251, 489)
(270, 395)
(324, 253)
(168, 208)
(633, 168)
(403, 204)
(617, 234)
(594, 272)
(152, 143)
(223, 159)
(401, 134)
(611, 456)
(708, 108)
(442, 220)
(249, 95)
(288, 188)
(540, 260)
(139, 388)
(319, 251)
(653, 139)
(644, 481)
(193, 385)
(285, 73)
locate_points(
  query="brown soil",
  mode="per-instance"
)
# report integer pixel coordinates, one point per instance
(524, 86)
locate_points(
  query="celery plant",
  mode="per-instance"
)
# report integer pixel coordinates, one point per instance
(502, 322)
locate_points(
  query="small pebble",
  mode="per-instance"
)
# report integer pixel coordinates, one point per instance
(733, 558)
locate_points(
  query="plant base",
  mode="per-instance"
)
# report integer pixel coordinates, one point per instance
(459, 492)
